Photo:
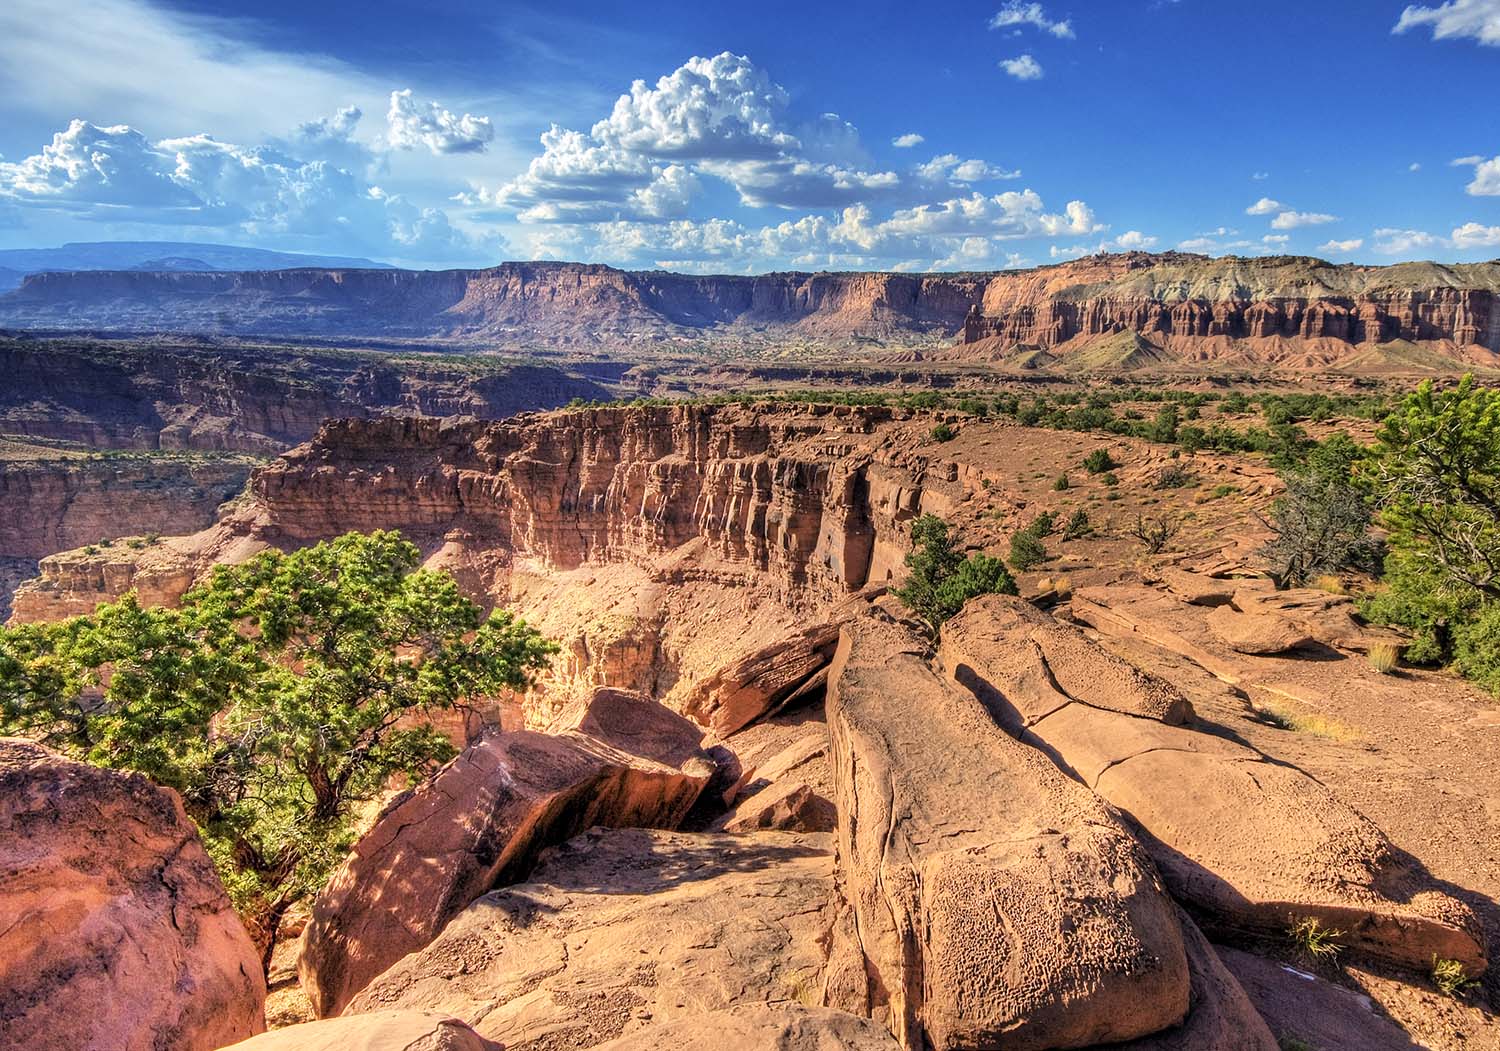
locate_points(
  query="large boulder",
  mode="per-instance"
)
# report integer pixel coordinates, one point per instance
(620, 930)
(620, 760)
(761, 1027)
(998, 903)
(1256, 845)
(1258, 633)
(791, 791)
(760, 682)
(377, 1031)
(115, 932)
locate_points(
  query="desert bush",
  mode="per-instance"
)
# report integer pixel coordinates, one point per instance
(1173, 476)
(1078, 525)
(1321, 524)
(1155, 532)
(943, 433)
(1109, 478)
(277, 699)
(1062, 484)
(1476, 648)
(1026, 548)
(1098, 461)
(939, 580)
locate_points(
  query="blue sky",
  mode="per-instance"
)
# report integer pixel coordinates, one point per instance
(750, 137)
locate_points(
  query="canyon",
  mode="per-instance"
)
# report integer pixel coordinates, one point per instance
(834, 852)
(1122, 311)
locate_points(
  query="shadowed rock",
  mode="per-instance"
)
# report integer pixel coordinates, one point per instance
(481, 821)
(378, 1031)
(784, 1027)
(1255, 844)
(115, 932)
(791, 791)
(998, 903)
(620, 930)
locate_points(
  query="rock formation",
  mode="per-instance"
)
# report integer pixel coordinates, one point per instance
(376, 1031)
(618, 932)
(998, 903)
(784, 1027)
(115, 932)
(482, 820)
(1254, 844)
(1188, 308)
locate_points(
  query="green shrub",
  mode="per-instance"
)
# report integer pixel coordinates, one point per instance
(1173, 476)
(1110, 479)
(939, 580)
(1098, 461)
(1476, 648)
(943, 433)
(1321, 524)
(1078, 526)
(1062, 484)
(1450, 977)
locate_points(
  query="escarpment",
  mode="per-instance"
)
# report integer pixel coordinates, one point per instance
(1283, 311)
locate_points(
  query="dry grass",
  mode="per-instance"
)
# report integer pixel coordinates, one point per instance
(1315, 723)
(1329, 583)
(1384, 657)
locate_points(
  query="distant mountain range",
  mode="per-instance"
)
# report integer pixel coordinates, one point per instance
(16, 263)
(1107, 312)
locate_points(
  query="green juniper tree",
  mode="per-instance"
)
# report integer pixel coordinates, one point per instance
(279, 696)
(940, 580)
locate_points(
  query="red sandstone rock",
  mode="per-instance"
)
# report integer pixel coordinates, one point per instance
(990, 890)
(784, 1027)
(376, 1031)
(115, 932)
(482, 820)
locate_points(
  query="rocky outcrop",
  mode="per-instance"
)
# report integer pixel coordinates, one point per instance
(997, 902)
(1195, 308)
(55, 505)
(376, 1031)
(618, 933)
(482, 821)
(791, 790)
(115, 932)
(1256, 845)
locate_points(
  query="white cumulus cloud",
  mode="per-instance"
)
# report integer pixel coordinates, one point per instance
(1290, 220)
(1456, 19)
(907, 141)
(1017, 14)
(1473, 235)
(1022, 67)
(412, 124)
(1264, 206)
(1354, 244)
(1486, 182)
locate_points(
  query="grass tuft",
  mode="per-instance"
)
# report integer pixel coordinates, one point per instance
(1384, 657)
(1315, 940)
(1450, 977)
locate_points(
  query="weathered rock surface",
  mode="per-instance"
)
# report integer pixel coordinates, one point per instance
(482, 820)
(1255, 844)
(759, 682)
(115, 932)
(1198, 588)
(618, 931)
(376, 1031)
(783, 1027)
(1301, 1006)
(791, 790)
(1255, 633)
(997, 901)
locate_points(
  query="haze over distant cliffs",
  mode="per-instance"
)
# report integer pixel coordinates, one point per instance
(1127, 310)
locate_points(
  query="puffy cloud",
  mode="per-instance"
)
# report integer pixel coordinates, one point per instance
(1017, 14)
(1354, 244)
(1486, 181)
(948, 166)
(1391, 241)
(1077, 218)
(411, 124)
(1296, 220)
(1022, 67)
(116, 174)
(907, 141)
(1473, 235)
(1264, 206)
(1456, 19)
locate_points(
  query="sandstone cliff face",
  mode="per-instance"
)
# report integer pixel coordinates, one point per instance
(1196, 307)
(203, 395)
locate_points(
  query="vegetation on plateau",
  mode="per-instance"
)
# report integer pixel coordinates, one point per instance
(940, 580)
(280, 697)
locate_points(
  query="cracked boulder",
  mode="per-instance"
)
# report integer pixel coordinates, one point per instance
(1254, 844)
(997, 902)
(115, 932)
(620, 759)
(377, 1031)
(620, 932)
(763, 681)
(791, 791)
